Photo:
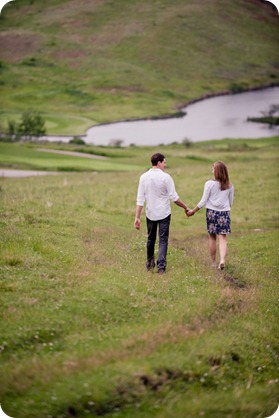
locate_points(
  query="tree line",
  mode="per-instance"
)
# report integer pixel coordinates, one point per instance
(30, 127)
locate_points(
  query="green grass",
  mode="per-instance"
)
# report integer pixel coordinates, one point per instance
(86, 331)
(22, 156)
(81, 63)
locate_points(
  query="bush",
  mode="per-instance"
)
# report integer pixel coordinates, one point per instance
(187, 142)
(236, 88)
(77, 141)
(116, 143)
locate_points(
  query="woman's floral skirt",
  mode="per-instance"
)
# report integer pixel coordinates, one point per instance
(218, 222)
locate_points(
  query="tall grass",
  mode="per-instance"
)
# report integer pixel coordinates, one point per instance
(86, 331)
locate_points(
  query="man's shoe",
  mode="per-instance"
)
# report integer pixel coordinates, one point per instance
(161, 271)
(150, 265)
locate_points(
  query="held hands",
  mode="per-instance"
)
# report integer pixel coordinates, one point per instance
(189, 212)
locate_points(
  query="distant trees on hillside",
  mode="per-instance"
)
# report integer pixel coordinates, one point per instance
(30, 127)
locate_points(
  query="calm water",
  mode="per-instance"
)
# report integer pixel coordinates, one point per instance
(214, 118)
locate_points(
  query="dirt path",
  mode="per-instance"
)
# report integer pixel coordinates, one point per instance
(73, 153)
(24, 173)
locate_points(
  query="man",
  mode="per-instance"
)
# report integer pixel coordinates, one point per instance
(157, 189)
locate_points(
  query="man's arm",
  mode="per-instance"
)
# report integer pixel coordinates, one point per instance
(173, 194)
(179, 202)
(137, 223)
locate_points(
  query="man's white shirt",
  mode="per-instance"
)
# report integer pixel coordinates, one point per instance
(157, 189)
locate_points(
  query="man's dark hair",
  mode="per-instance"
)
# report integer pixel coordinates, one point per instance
(156, 158)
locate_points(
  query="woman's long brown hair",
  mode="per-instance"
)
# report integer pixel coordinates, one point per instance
(221, 174)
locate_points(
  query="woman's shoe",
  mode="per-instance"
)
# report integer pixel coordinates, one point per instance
(221, 266)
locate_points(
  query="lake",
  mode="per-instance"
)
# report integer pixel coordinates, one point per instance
(213, 118)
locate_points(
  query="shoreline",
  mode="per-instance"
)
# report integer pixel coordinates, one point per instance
(180, 112)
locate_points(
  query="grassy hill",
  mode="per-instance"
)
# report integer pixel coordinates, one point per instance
(87, 332)
(85, 62)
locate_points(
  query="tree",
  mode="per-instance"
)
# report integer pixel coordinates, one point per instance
(12, 130)
(31, 125)
(273, 109)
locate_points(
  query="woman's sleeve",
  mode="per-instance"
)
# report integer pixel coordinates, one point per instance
(205, 196)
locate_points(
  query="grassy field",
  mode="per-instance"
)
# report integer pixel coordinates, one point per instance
(86, 331)
(86, 62)
(35, 156)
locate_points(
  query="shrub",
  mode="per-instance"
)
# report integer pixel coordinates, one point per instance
(187, 142)
(76, 140)
(116, 143)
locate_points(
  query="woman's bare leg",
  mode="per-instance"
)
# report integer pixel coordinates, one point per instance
(212, 247)
(222, 249)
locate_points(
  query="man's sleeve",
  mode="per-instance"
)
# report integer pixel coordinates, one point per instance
(171, 189)
(141, 194)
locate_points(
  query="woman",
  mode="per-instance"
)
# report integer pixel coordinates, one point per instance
(218, 197)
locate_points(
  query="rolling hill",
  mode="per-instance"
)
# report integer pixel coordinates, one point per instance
(85, 62)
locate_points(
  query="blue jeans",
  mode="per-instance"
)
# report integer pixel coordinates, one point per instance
(152, 226)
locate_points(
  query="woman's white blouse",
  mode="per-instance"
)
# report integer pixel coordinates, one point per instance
(216, 199)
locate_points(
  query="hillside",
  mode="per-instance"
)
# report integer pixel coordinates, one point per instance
(84, 62)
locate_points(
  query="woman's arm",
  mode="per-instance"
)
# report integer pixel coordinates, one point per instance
(202, 202)
(231, 195)
(205, 196)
